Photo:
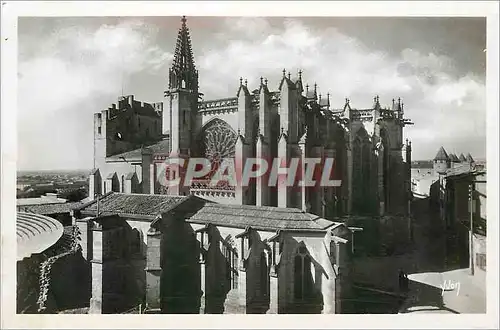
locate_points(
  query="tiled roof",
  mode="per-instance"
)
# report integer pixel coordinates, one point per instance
(133, 204)
(441, 155)
(161, 147)
(48, 209)
(35, 233)
(260, 218)
(40, 200)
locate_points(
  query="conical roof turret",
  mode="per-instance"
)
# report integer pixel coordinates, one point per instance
(441, 155)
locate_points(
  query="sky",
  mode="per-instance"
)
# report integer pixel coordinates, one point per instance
(71, 67)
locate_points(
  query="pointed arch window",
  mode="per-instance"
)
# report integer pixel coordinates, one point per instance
(230, 254)
(303, 281)
(123, 183)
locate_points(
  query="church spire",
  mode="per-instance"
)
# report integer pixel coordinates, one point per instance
(183, 73)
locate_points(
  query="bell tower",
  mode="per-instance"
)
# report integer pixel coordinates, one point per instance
(182, 97)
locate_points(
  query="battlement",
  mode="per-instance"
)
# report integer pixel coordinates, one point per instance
(128, 103)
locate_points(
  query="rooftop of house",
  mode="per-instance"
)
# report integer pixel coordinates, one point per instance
(260, 217)
(49, 198)
(50, 209)
(143, 205)
(198, 210)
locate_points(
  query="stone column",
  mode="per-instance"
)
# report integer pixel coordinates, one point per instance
(153, 270)
(349, 180)
(381, 191)
(317, 192)
(153, 179)
(96, 301)
(283, 160)
(242, 288)
(273, 294)
(202, 285)
(330, 191)
(242, 273)
(304, 198)
(240, 157)
(262, 186)
(85, 237)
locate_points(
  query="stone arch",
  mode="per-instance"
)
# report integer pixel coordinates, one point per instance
(231, 257)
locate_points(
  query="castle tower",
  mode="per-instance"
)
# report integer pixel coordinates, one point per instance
(454, 160)
(441, 161)
(182, 96)
(469, 159)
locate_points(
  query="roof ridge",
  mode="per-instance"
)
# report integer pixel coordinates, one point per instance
(256, 207)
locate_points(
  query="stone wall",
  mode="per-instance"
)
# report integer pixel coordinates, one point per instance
(479, 253)
(70, 282)
(382, 272)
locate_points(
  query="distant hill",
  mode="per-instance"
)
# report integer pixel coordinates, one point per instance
(54, 172)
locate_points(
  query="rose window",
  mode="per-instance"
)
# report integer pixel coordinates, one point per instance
(219, 141)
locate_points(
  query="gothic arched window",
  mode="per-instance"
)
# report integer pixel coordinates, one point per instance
(303, 282)
(136, 242)
(231, 257)
(219, 140)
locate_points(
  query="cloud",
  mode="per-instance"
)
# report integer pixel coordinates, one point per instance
(74, 73)
(446, 107)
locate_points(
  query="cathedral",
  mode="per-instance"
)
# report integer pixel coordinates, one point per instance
(134, 140)
(237, 248)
